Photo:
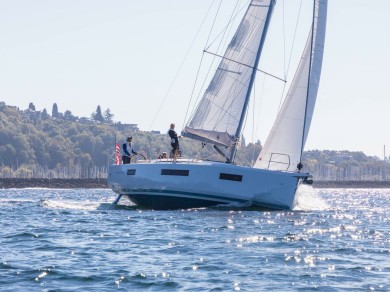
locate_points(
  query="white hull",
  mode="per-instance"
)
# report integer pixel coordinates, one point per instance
(187, 184)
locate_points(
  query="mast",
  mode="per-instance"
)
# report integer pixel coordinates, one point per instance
(300, 165)
(251, 81)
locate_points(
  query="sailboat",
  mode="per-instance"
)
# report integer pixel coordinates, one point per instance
(219, 118)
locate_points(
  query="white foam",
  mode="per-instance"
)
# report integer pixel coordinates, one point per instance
(74, 205)
(308, 198)
(13, 201)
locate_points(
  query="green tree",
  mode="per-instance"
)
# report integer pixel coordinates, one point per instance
(108, 116)
(54, 111)
(44, 114)
(68, 115)
(97, 115)
(31, 106)
(8, 155)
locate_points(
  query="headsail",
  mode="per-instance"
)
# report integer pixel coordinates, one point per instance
(217, 117)
(285, 143)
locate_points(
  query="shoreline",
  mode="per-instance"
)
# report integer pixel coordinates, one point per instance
(53, 183)
(352, 184)
(101, 183)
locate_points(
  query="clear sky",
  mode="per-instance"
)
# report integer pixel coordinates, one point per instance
(125, 54)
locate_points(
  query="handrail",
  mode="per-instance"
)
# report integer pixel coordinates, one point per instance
(280, 162)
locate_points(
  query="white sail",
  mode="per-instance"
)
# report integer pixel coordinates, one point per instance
(218, 114)
(284, 145)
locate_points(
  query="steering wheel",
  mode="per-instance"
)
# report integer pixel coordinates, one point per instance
(136, 157)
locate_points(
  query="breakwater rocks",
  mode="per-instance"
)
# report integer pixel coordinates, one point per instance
(53, 183)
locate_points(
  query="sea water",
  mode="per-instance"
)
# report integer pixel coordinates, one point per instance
(76, 240)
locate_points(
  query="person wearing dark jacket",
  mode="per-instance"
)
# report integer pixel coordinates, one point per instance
(127, 150)
(174, 142)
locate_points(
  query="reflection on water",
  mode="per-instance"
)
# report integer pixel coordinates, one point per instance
(335, 239)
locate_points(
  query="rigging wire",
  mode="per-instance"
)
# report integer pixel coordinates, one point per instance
(201, 60)
(232, 18)
(223, 38)
(253, 123)
(284, 43)
(255, 128)
(295, 33)
(180, 67)
(261, 101)
(286, 70)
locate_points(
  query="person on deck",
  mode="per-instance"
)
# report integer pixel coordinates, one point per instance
(174, 142)
(163, 155)
(127, 150)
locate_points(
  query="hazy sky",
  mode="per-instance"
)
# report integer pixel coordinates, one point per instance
(125, 54)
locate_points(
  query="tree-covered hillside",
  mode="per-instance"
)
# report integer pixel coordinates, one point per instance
(35, 144)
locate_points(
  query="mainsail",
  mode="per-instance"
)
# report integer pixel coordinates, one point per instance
(284, 145)
(219, 115)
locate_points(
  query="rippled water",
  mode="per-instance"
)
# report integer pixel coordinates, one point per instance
(65, 240)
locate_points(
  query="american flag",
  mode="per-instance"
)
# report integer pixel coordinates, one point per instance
(117, 154)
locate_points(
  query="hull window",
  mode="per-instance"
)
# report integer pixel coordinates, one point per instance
(228, 176)
(180, 172)
(131, 172)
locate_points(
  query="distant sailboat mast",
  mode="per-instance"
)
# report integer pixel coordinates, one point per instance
(251, 81)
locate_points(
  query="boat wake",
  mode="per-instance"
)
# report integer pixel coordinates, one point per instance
(85, 205)
(65, 204)
(308, 198)
(14, 201)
